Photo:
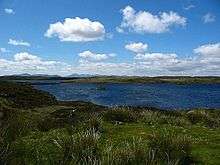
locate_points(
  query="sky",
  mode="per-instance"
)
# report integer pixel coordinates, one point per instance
(123, 37)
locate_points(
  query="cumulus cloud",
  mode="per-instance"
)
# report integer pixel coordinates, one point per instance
(119, 30)
(24, 56)
(77, 30)
(9, 11)
(209, 50)
(90, 56)
(26, 62)
(3, 50)
(137, 47)
(204, 61)
(104, 68)
(208, 18)
(145, 22)
(18, 42)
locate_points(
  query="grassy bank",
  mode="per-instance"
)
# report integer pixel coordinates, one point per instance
(38, 129)
(133, 79)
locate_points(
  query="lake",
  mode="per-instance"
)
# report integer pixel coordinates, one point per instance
(164, 95)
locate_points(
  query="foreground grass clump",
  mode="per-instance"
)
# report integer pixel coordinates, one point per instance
(208, 118)
(80, 148)
(120, 115)
(159, 118)
(171, 147)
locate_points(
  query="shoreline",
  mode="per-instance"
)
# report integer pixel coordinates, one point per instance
(179, 80)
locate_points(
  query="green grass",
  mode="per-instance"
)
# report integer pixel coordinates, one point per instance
(136, 79)
(53, 134)
(118, 79)
(24, 96)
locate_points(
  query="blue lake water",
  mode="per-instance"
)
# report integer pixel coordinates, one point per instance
(165, 96)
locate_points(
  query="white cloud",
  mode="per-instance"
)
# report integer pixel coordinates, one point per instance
(137, 47)
(120, 30)
(26, 62)
(205, 60)
(24, 56)
(209, 55)
(189, 7)
(9, 11)
(77, 30)
(208, 18)
(104, 68)
(145, 22)
(157, 58)
(18, 43)
(209, 50)
(3, 50)
(90, 56)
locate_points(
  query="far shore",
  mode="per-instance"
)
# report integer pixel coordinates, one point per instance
(113, 79)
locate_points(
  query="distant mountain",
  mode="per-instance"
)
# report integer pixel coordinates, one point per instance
(22, 75)
(83, 75)
(34, 75)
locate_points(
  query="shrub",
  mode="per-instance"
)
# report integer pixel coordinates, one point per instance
(120, 115)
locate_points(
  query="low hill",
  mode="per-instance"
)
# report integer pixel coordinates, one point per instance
(25, 96)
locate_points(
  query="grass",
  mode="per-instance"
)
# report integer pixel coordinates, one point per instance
(136, 79)
(24, 96)
(84, 133)
(117, 79)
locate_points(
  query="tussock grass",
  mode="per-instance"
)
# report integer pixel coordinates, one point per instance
(95, 123)
(171, 147)
(160, 118)
(120, 114)
(210, 118)
(80, 148)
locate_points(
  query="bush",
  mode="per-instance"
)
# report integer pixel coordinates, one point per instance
(120, 115)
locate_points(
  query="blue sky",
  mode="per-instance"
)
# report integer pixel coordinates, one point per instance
(162, 38)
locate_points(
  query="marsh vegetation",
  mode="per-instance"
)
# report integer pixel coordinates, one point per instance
(47, 131)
